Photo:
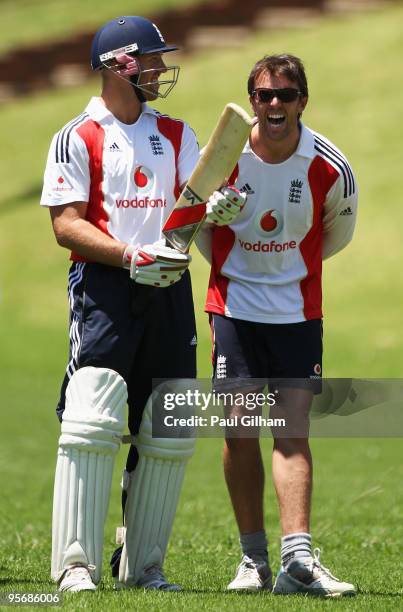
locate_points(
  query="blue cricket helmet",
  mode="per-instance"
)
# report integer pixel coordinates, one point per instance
(126, 35)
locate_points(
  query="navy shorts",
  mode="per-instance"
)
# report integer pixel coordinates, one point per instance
(245, 349)
(141, 332)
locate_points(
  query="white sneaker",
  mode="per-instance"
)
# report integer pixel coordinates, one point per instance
(308, 575)
(251, 575)
(76, 578)
(153, 578)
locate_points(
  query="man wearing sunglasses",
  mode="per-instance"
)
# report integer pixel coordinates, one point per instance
(264, 301)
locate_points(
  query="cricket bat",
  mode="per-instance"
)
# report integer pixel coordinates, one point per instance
(213, 169)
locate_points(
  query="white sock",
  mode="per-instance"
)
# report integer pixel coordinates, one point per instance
(295, 545)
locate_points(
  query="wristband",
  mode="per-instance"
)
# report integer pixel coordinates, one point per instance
(128, 255)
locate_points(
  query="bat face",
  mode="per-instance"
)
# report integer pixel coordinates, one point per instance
(184, 222)
(213, 169)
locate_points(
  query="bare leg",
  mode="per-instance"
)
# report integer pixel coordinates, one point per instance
(292, 477)
(244, 475)
(245, 480)
(292, 462)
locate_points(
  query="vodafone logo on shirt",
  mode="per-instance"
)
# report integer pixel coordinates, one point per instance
(143, 180)
(268, 224)
(145, 202)
(267, 247)
(61, 186)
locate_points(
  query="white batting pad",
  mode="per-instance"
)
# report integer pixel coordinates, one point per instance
(152, 496)
(93, 423)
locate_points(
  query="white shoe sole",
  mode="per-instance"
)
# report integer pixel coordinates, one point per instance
(251, 588)
(121, 586)
(77, 588)
(286, 585)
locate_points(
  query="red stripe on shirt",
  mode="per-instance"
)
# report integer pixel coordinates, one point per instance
(93, 136)
(172, 130)
(234, 175)
(321, 177)
(222, 244)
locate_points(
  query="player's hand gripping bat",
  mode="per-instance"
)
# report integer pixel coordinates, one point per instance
(213, 169)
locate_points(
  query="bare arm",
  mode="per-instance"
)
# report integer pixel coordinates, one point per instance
(74, 232)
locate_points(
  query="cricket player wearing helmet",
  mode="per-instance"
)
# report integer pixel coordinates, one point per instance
(264, 300)
(112, 177)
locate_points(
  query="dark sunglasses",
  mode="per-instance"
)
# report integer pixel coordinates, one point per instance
(285, 94)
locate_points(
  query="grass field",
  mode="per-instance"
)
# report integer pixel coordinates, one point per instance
(354, 67)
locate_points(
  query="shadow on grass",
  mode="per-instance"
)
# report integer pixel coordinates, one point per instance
(20, 200)
(346, 597)
(382, 593)
(219, 591)
(15, 580)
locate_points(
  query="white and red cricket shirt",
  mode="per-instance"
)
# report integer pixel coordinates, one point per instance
(130, 175)
(267, 265)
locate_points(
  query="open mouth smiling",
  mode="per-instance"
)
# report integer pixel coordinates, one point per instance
(276, 119)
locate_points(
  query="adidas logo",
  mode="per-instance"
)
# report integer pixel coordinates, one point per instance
(114, 147)
(193, 341)
(247, 189)
(346, 211)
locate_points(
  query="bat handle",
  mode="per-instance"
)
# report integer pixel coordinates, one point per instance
(171, 246)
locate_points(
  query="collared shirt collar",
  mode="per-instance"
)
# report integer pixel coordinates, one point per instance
(98, 111)
(306, 145)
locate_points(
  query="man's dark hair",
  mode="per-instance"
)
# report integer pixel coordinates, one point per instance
(285, 64)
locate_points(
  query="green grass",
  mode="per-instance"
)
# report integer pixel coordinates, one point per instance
(357, 522)
(354, 100)
(27, 22)
(354, 67)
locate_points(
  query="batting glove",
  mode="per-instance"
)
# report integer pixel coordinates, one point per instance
(155, 264)
(224, 205)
